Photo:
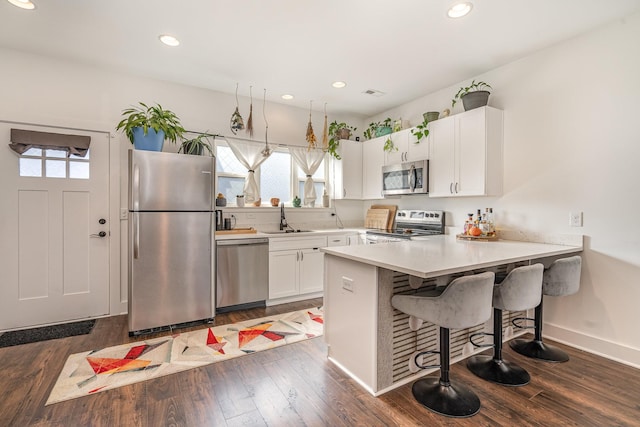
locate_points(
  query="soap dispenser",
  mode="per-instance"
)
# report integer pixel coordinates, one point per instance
(325, 199)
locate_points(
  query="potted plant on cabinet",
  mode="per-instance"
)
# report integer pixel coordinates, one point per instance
(148, 126)
(338, 131)
(196, 146)
(377, 129)
(473, 96)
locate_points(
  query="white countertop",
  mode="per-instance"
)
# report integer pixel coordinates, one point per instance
(440, 255)
(327, 232)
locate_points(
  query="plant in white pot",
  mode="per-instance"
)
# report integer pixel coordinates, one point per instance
(473, 96)
(147, 127)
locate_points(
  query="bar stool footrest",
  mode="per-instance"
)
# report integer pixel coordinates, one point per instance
(498, 371)
(539, 350)
(477, 334)
(452, 399)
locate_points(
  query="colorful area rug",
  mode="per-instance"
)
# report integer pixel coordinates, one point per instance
(99, 370)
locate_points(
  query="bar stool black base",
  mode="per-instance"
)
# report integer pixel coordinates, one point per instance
(453, 400)
(539, 350)
(498, 371)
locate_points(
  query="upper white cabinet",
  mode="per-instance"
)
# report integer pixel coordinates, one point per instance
(347, 172)
(465, 154)
(372, 162)
(408, 149)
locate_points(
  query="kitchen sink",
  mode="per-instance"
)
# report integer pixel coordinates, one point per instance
(287, 231)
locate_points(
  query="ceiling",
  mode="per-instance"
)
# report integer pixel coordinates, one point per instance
(406, 48)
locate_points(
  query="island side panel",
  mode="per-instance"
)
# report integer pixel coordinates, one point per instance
(351, 308)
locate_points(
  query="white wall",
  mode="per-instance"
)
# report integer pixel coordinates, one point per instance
(571, 144)
(49, 91)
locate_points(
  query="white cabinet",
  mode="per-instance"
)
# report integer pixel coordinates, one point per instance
(408, 149)
(296, 266)
(349, 239)
(372, 162)
(465, 154)
(347, 172)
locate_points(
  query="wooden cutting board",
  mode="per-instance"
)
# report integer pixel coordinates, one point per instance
(377, 218)
(392, 214)
(238, 231)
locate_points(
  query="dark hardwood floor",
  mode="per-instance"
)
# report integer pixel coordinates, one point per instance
(295, 385)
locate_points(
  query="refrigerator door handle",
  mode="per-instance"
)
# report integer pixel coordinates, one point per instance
(135, 197)
(136, 234)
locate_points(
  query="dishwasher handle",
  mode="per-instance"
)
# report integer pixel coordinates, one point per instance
(240, 242)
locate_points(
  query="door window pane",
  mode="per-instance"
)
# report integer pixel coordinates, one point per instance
(30, 167)
(56, 168)
(56, 153)
(33, 152)
(79, 170)
(275, 177)
(86, 157)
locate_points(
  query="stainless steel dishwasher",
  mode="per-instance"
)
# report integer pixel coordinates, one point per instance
(242, 273)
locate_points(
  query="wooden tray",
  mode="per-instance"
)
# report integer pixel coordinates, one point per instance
(481, 238)
(392, 214)
(238, 231)
(377, 218)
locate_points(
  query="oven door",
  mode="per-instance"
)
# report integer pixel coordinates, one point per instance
(406, 178)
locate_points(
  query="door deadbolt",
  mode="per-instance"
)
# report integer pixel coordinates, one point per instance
(102, 221)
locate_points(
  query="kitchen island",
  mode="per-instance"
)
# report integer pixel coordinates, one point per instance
(370, 340)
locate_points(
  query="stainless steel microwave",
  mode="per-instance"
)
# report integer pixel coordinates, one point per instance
(406, 178)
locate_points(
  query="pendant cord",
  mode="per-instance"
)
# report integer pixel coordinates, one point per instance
(237, 103)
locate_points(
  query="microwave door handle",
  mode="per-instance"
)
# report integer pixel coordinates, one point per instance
(412, 178)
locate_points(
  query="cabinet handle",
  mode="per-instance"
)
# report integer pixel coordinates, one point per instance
(451, 187)
(298, 256)
(344, 192)
(301, 256)
(456, 188)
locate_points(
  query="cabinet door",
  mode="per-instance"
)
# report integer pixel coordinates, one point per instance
(471, 153)
(351, 153)
(337, 241)
(311, 271)
(372, 161)
(283, 273)
(399, 154)
(418, 150)
(442, 157)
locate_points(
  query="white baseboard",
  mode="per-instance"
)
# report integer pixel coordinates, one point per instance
(605, 348)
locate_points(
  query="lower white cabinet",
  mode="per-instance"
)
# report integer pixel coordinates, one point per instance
(296, 266)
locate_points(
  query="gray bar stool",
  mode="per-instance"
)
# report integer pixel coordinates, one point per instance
(464, 303)
(521, 289)
(562, 278)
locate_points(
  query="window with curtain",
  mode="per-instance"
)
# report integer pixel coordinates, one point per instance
(231, 174)
(319, 182)
(275, 177)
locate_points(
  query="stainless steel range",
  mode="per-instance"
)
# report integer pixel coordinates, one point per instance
(410, 225)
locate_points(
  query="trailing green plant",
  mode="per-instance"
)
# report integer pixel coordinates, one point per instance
(154, 117)
(370, 133)
(421, 131)
(334, 136)
(389, 146)
(196, 146)
(473, 87)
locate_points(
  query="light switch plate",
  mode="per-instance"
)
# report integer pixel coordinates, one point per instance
(575, 219)
(124, 213)
(347, 284)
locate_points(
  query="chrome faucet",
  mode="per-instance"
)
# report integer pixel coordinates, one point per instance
(283, 220)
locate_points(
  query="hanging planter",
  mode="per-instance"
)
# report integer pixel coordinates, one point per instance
(236, 122)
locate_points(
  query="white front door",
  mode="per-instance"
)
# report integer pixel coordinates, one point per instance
(54, 264)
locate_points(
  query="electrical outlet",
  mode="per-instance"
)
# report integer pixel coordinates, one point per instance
(347, 284)
(251, 215)
(124, 213)
(575, 219)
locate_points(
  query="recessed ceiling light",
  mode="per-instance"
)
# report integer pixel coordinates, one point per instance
(338, 85)
(287, 96)
(24, 4)
(459, 10)
(169, 40)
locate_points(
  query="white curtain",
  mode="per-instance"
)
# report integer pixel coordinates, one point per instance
(309, 161)
(250, 155)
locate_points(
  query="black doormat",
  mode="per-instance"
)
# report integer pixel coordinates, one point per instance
(26, 336)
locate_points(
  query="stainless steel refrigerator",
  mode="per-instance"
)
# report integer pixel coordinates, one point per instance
(170, 240)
